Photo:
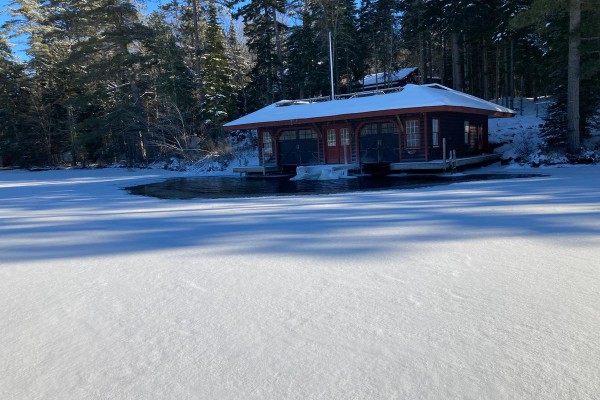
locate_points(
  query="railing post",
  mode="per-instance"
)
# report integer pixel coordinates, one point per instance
(444, 152)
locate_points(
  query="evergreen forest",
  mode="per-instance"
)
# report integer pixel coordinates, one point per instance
(123, 81)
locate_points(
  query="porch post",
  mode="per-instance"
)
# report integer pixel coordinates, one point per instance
(425, 132)
(400, 136)
(261, 156)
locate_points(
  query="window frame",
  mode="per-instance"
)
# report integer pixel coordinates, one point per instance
(344, 136)
(435, 132)
(409, 134)
(267, 143)
(331, 137)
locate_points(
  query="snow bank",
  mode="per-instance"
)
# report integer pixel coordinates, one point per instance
(323, 172)
(471, 290)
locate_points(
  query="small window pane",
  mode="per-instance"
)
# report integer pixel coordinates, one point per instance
(388, 128)
(370, 129)
(331, 138)
(466, 132)
(267, 144)
(345, 136)
(307, 134)
(413, 137)
(267, 138)
(435, 131)
(288, 135)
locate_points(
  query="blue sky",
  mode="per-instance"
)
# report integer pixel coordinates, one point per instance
(20, 44)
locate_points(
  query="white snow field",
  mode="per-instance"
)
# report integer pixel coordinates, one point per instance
(480, 290)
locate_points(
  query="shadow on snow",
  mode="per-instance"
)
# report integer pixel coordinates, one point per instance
(75, 219)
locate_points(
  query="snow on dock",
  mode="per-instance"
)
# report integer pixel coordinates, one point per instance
(324, 172)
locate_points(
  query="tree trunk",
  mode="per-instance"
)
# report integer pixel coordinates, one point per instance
(485, 81)
(197, 66)
(429, 59)
(511, 88)
(506, 75)
(444, 57)
(422, 63)
(376, 63)
(457, 74)
(468, 68)
(279, 54)
(497, 72)
(573, 77)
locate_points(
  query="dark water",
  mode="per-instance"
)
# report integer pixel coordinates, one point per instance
(232, 187)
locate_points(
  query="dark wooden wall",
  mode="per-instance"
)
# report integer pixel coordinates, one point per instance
(451, 127)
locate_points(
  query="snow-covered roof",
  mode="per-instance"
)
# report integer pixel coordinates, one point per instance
(378, 78)
(412, 98)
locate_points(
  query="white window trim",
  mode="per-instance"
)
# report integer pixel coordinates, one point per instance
(267, 143)
(331, 138)
(345, 137)
(413, 136)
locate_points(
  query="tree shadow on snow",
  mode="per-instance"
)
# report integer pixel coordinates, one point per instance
(87, 219)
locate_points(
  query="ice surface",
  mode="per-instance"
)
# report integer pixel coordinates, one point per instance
(472, 290)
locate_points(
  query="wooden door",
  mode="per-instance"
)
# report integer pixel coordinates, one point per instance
(338, 149)
(298, 147)
(379, 143)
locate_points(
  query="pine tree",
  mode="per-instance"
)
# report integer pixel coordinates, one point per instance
(187, 21)
(379, 29)
(171, 91)
(340, 18)
(13, 106)
(551, 20)
(218, 75)
(239, 64)
(107, 59)
(264, 35)
(46, 90)
(307, 59)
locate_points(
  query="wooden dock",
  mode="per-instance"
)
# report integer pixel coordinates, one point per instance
(440, 165)
(256, 169)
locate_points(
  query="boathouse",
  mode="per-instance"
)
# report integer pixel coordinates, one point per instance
(409, 126)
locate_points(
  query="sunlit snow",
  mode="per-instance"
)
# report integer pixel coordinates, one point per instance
(472, 290)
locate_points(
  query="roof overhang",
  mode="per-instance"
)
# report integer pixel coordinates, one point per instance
(371, 114)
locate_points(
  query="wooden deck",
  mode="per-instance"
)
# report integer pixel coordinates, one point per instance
(439, 165)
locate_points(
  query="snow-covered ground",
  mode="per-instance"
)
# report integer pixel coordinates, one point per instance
(473, 290)
(520, 136)
(520, 139)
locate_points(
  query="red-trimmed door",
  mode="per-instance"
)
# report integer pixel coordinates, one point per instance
(338, 148)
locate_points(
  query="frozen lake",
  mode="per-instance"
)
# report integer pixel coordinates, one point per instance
(232, 187)
(486, 289)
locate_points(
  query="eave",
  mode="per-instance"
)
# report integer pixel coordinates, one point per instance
(371, 114)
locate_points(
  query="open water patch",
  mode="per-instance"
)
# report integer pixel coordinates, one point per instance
(240, 187)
